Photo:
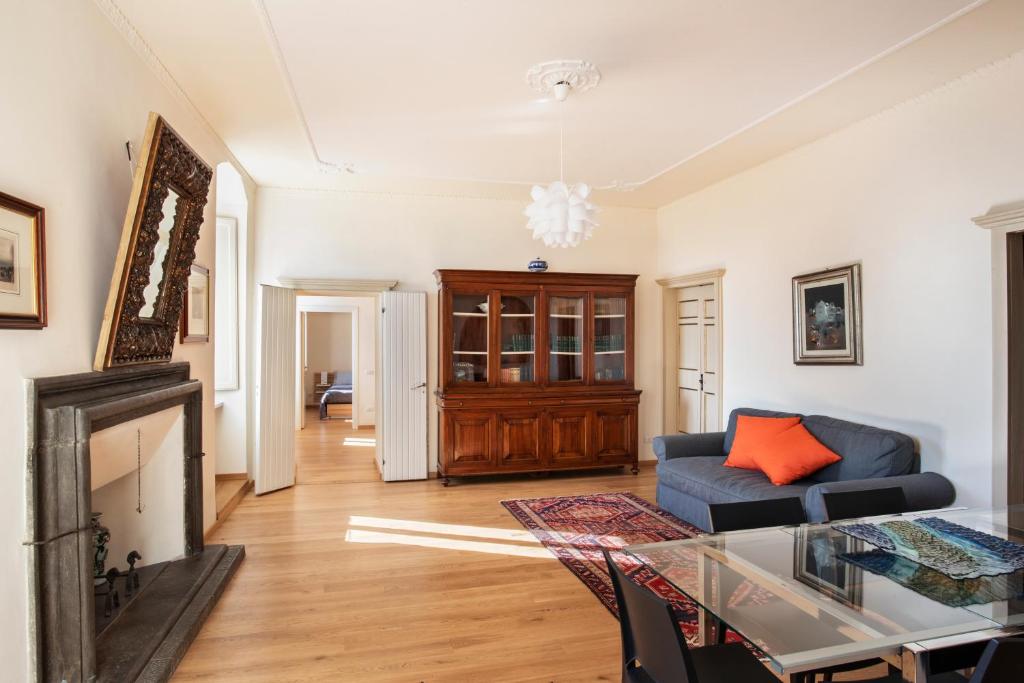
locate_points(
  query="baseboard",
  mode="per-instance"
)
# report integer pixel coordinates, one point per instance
(231, 504)
(232, 475)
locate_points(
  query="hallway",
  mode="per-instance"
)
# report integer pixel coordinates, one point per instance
(333, 452)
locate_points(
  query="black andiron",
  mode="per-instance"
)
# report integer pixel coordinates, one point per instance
(105, 580)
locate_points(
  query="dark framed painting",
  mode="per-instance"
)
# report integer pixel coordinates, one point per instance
(818, 565)
(827, 317)
(195, 313)
(22, 264)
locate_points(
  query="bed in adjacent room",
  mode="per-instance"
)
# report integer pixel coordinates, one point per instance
(340, 392)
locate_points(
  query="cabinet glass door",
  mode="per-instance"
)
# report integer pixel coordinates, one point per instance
(565, 338)
(609, 338)
(518, 329)
(469, 337)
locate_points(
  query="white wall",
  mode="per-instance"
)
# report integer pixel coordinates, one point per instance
(75, 91)
(897, 193)
(328, 346)
(351, 235)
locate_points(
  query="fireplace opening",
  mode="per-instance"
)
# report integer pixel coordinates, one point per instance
(138, 508)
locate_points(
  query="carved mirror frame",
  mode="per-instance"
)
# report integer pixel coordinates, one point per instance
(167, 164)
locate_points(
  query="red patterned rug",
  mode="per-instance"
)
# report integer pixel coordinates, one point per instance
(576, 528)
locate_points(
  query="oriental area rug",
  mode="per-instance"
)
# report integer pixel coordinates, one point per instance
(576, 528)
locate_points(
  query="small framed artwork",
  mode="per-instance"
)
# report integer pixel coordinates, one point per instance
(826, 317)
(22, 265)
(195, 314)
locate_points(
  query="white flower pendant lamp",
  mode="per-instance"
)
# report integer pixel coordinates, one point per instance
(561, 215)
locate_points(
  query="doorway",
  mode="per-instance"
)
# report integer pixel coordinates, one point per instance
(336, 368)
(692, 352)
(1015, 367)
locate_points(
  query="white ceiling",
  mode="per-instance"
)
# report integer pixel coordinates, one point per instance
(414, 91)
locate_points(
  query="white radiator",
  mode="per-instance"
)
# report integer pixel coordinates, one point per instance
(402, 425)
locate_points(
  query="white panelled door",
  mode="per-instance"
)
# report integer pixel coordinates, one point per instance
(698, 409)
(274, 460)
(403, 385)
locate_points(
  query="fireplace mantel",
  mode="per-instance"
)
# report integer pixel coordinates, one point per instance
(147, 640)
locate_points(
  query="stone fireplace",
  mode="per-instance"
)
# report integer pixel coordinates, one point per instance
(148, 635)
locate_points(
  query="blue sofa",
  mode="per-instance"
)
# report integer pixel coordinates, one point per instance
(691, 473)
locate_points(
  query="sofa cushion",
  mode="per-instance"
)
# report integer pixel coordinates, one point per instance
(730, 432)
(867, 452)
(705, 478)
(752, 434)
(792, 455)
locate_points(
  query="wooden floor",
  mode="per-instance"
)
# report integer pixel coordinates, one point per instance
(347, 578)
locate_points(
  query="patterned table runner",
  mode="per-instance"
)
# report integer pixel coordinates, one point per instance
(957, 551)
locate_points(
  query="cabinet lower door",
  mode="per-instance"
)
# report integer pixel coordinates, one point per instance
(519, 440)
(570, 440)
(469, 441)
(615, 434)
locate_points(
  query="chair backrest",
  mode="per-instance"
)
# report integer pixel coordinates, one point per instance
(651, 639)
(756, 513)
(1001, 662)
(866, 503)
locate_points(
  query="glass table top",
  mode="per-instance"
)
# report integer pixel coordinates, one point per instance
(788, 591)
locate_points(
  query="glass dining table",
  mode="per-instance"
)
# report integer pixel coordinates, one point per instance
(794, 594)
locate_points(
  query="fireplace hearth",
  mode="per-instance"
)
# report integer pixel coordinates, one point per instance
(159, 607)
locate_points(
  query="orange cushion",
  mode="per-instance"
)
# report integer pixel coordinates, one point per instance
(793, 455)
(751, 434)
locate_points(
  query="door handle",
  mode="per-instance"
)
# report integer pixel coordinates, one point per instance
(702, 381)
(418, 386)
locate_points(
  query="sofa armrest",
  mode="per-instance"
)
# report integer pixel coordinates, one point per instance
(924, 491)
(689, 445)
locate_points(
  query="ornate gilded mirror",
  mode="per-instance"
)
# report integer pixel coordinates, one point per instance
(158, 244)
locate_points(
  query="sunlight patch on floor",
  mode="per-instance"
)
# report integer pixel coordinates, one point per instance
(384, 537)
(447, 529)
(364, 441)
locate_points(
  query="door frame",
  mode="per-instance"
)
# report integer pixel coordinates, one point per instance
(1005, 223)
(303, 309)
(670, 287)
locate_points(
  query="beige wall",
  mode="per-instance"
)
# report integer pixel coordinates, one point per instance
(77, 93)
(896, 192)
(351, 235)
(328, 346)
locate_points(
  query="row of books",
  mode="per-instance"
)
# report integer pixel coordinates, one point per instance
(571, 344)
(518, 342)
(610, 342)
(523, 373)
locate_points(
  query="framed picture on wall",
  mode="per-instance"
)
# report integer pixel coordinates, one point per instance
(22, 265)
(826, 317)
(195, 313)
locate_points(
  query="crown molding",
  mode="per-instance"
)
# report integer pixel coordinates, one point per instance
(337, 284)
(120, 22)
(691, 279)
(1005, 218)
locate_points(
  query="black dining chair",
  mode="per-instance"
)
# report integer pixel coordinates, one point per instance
(655, 651)
(867, 503)
(1001, 661)
(756, 513)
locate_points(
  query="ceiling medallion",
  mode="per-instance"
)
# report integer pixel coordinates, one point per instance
(561, 214)
(578, 74)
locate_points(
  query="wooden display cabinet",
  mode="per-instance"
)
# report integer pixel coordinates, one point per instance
(536, 372)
